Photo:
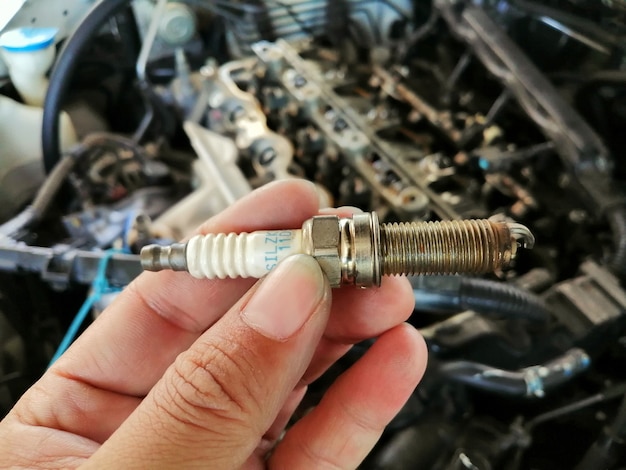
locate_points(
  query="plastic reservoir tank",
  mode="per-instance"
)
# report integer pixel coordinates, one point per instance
(29, 53)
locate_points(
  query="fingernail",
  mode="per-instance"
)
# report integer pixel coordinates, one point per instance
(286, 298)
(342, 210)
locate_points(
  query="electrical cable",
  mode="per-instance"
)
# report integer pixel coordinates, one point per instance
(420, 33)
(99, 287)
(64, 67)
(610, 393)
(35, 211)
(608, 450)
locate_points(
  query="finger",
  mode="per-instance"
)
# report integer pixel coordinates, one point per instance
(160, 314)
(327, 353)
(25, 446)
(357, 315)
(77, 408)
(220, 397)
(278, 426)
(257, 459)
(349, 420)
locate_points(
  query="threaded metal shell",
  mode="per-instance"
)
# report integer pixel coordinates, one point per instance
(457, 246)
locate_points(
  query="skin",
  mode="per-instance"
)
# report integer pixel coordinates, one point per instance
(180, 372)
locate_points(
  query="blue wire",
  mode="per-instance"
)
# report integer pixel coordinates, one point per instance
(99, 287)
(73, 329)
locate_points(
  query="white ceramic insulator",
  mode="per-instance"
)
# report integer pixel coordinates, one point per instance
(240, 255)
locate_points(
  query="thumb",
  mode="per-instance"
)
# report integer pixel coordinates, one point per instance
(214, 404)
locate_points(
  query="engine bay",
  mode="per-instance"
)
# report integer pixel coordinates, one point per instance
(512, 110)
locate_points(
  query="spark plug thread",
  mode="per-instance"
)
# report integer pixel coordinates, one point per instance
(463, 246)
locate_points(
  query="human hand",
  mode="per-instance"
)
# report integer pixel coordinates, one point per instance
(197, 373)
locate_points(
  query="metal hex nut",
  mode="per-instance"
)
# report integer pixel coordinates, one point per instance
(324, 245)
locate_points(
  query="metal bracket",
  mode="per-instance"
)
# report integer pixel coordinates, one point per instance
(61, 265)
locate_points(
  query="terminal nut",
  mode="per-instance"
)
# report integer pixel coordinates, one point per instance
(346, 249)
(321, 239)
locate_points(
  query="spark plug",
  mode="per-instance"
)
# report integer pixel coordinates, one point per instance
(351, 251)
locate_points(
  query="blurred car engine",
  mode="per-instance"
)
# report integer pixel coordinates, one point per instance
(159, 114)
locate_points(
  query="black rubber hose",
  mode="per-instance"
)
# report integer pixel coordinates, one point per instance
(491, 297)
(483, 377)
(456, 293)
(617, 221)
(533, 381)
(64, 67)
